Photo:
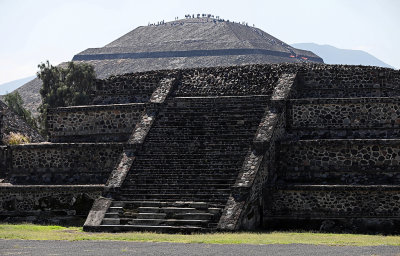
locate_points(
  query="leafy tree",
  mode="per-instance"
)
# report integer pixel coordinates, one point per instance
(15, 102)
(69, 86)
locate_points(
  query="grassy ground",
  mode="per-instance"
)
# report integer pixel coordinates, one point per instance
(37, 232)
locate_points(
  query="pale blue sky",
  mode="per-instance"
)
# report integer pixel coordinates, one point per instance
(38, 30)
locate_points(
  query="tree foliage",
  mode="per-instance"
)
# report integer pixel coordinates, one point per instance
(62, 87)
(15, 102)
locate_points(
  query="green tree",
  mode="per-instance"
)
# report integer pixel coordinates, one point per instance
(15, 102)
(69, 86)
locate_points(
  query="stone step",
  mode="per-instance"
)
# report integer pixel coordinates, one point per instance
(111, 221)
(190, 157)
(165, 174)
(206, 126)
(115, 209)
(144, 215)
(155, 178)
(200, 139)
(190, 137)
(177, 162)
(167, 154)
(166, 222)
(211, 198)
(183, 170)
(213, 118)
(211, 112)
(179, 210)
(205, 148)
(170, 215)
(148, 148)
(204, 143)
(228, 124)
(131, 204)
(176, 186)
(192, 129)
(112, 215)
(207, 121)
(184, 164)
(166, 181)
(204, 107)
(230, 106)
(149, 228)
(176, 133)
(193, 168)
(175, 191)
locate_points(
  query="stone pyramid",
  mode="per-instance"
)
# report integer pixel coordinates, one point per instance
(187, 43)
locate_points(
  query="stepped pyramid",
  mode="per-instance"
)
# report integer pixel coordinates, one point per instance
(187, 43)
(273, 146)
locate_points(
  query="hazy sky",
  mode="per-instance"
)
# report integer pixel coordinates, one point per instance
(55, 30)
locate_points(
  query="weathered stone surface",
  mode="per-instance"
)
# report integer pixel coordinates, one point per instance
(60, 205)
(352, 113)
(236, 148)
(89, 123)
(11, 122)
(319, 201)
(66, 163)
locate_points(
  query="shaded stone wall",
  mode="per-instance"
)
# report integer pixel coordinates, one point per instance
(11, 122)
(3, 161)
(127, 88)
(329, 81)
(330, 202)
(315, 155)
(62, 205)
(344, 113)
(94, 123)
(237, 81)
(1, 126)
(216, 81)
(66, 163)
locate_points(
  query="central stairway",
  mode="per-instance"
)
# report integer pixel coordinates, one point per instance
(182, 176)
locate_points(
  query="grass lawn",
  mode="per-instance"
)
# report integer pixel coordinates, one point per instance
(37, 232)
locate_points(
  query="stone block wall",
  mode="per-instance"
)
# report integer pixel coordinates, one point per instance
(128, 88)
(59, 205)
(348, 81)
(340, 162)
(201, 82)
(3, 161)
(234, 81)
(332, 202)
(359, 113)
(317, 155)
(1, 126)
(66, 163)
(94, 123)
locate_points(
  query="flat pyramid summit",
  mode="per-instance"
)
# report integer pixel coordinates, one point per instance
(195, 42)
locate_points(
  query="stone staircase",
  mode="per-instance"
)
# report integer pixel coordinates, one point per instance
(182, 176)
(338, 164)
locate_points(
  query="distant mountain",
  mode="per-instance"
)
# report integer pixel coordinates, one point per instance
(11, 86)
(333, 55)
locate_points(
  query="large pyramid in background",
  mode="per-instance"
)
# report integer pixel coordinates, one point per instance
(187, 43)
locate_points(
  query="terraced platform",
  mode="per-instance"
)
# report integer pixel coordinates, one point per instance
(231, 148)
